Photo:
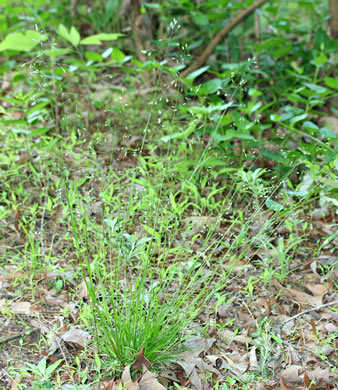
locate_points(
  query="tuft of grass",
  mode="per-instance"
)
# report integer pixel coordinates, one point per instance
(134, 305)
(138, 308)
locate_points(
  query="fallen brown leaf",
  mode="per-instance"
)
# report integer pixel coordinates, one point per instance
(302, 297)
(284, 385)
(21, 308)
(307, 382)
(76, 336)
(293, 373)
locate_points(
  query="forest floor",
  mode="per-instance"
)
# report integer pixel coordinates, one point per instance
(274, 324)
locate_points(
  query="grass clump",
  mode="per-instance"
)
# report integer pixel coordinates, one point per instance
(144, 297)
(134, 305)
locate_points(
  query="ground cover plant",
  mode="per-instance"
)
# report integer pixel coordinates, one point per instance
(168, 195)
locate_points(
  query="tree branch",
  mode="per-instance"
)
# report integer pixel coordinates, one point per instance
(221, 35)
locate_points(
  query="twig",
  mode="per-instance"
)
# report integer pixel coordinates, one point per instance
(309, 311)
(221, 35)
(280, 327)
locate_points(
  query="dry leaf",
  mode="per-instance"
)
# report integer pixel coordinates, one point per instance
(265, 302)
(2, 303)
(191, 373)
(307, 382)
(189, 365)
(149, 381)
(237, 368)
(114, 385)
(331, 327)
(189, 360)
(21, 308)
(319, 373)
(318, 290)
(284, 385)
(15, 382)
(302, 297)
(83, 290)
(253, 360)
(141, 361)
(293, 374)
(195, 346)
(76, 336)
(59, 300)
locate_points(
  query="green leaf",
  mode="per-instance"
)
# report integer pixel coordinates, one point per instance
(272, 156)
(21, 41)
(81, 182)
(316, 88)
(254, 107)
(117, 55)
(92, 56)
(184, 134)
(331, 82)
(275, 206)
(13, 121)
(152, 5)
(321, 60)
(197, 72)
(20, 131)
(111, 8)
(210, 87)
(310, 125)
(98, 38)
(41, 366)
(226, 120)
(42, 130)
(55, 52)
(321, 39)
(282, 52)
(328, 182)
(231, 134)
(201, 19)
(234, 47)
(298, 118)
(327, 133)
(71, 36)
(52, 367)
(254, 92)
(271, 43)
(275, 118)
(151, 231)
(51, 144)
(208, 110)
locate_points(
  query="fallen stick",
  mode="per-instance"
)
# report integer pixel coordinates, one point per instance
(309, 311)
(221, 35)
(280, 327)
